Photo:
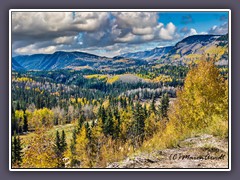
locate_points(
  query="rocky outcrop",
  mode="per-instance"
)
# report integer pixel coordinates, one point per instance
(205, 151)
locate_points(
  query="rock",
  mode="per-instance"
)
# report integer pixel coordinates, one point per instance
(194, 147)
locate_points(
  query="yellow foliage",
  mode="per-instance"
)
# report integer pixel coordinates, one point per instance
(176, 56)
(201, 107)
(126, 120)
(162, 78)
(19, 114)
(92, 76)
(150, 126)
(81, 147)
(217, 51)
(41, 117)
(193, 56)
(24, 79)
(96, 76)
(112, 79)
(106, 103)
(40, 153)
(37, 89)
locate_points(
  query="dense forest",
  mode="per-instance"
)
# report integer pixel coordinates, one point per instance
(89, 118)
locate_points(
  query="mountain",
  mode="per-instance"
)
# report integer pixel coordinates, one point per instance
(150, 55)
(71, 60)
(193, 47)
(57, 60)
(16, 66)
(187, 50)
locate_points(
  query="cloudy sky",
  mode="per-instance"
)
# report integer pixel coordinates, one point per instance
(108, 33)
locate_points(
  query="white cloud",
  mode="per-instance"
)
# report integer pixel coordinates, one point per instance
(142, 31)
(31, 49)
(41, 22)
(64, 39)
(188, 32)
(192, 32)
(147, 37)
(46, 32)
(127, 38)
(136, 20)
(169, 32)
(219, 30)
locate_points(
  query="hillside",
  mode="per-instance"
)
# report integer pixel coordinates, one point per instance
(150, 55)
(189, 49)
(16, 66)
(70, 60)
(205, 151)
(193, 47)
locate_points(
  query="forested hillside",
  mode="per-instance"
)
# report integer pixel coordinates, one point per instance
(91, 118)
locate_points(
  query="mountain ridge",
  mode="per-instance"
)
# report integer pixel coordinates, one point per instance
(187, 50)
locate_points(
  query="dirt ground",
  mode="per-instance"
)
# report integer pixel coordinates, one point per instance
(205, 151)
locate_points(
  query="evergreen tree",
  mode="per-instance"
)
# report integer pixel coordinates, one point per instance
(152, 106)
(164, 105)
(63, 142)
(16, 150)
(14, 124)
(109, 124)
(145, 110)
(59, 151)
(117, 123)
(81, 120)
(25, 122)
(88, 130)
(73, 148)
(102, 114)
(18, 107)
(139, 124)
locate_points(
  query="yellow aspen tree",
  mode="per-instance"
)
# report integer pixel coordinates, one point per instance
(40, 152)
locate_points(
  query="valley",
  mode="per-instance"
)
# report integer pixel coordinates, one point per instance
(80, 110)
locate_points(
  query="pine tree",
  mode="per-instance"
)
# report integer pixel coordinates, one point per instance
(152, 105)
(63, 142)
(138, 124)
(81, 120)
(117, 125)
(102, 114)
(25, 122)
(145, 110)
(59, 151)
(109, 124)
(14, 124)
(18, 107)
(163, 107)
(16, 150)
(88, 129)
(73, 148)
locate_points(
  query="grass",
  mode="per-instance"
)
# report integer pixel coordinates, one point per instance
(110, 79)
(68, 128)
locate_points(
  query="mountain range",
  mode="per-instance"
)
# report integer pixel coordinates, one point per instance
(189, 49)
